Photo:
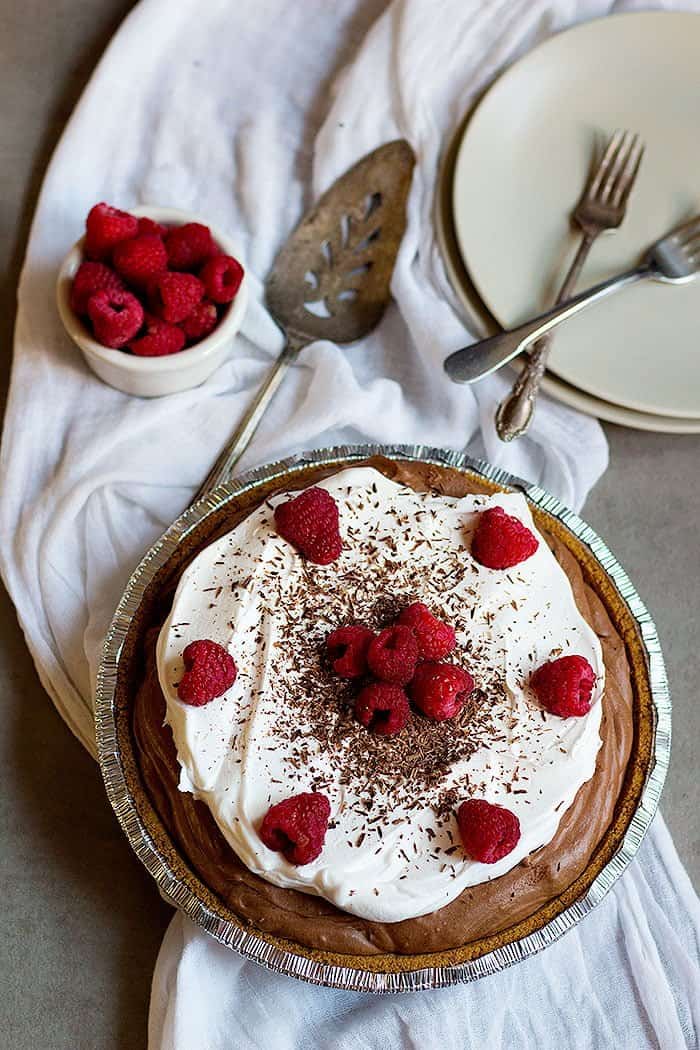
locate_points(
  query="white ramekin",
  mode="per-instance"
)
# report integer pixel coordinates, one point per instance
(153, 376)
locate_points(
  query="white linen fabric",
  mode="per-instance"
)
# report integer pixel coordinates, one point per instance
(238, 111)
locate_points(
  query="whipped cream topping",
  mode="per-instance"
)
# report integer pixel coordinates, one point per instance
(393, 849)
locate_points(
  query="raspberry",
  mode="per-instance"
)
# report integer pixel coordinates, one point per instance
(383, 708)
(105, 227)
(116, 317)
(200, 323)
(564, 686)
(347, 648)
(160, 338)
(147, 225)
(501, 540)
(488, 832)
(393, 655)
(92, 277)
(439, 690)
(140, 259)
(189, 246)
(175, 295)
(310, 523)
(435, 638)
(209, 672)
(297, 826)
(222, 278)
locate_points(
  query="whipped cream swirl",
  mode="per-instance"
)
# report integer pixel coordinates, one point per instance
(393, 849)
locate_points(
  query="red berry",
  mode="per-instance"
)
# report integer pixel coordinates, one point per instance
(383, 708)
(209, 671)
(189, 246)
(310, 523)
(200, 323)
(222, 278)
(564, 686)
(435, 638)
(439, 690)
(92, 277)
(140, 259)
(501, 540)
(106, 226)
(488, 832)
(347, 648)
(393, 655)
(175, 296)
(297, 826)
(116, 317)
(147, 225)
(159, 338)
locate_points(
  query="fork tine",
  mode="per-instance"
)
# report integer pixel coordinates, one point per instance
(691, 231)
(616, 168)
(625, 182)
(691, 247)
(687, 233)
(605, 162)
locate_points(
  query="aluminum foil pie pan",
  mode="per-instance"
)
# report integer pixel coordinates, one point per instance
(643, 783)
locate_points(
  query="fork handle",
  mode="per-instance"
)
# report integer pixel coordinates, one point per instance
(515, 412)
(480, 359)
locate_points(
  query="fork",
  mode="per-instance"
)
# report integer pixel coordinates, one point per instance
(601, 207)
(675, 259)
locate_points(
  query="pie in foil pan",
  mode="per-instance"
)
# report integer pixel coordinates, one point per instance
(180, 884)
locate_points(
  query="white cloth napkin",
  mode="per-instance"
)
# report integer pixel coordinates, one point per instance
(235, 110)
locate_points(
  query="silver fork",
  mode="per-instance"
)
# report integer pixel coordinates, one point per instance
(674, 259)
(602, 207)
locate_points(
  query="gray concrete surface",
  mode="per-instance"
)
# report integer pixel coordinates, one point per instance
(80, 920)
(81, 923)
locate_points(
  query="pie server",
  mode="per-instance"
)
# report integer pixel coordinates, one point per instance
(330, 280)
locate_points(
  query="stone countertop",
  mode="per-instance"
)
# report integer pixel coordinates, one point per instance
(82, 921)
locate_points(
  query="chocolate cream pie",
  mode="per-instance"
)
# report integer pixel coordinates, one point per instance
(393, 885)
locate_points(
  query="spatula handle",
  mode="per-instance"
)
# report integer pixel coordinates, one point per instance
(240, 439)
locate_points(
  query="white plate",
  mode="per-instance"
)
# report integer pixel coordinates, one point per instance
(520, 169)
(481, 323)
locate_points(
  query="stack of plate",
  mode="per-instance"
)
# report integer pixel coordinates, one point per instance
(513, 175)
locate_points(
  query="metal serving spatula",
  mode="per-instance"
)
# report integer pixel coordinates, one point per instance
(331, 278)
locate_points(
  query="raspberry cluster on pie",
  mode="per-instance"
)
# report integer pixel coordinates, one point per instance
(418, 714)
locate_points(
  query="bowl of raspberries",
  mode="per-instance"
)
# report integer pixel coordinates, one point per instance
(152, 297)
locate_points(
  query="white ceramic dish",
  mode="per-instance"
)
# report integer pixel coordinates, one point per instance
(481, 323)
(153, 376)
(520, 169)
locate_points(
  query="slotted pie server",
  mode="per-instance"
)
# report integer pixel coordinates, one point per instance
(331, 278)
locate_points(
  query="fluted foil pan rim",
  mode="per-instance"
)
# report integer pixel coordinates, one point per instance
(245, 941)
